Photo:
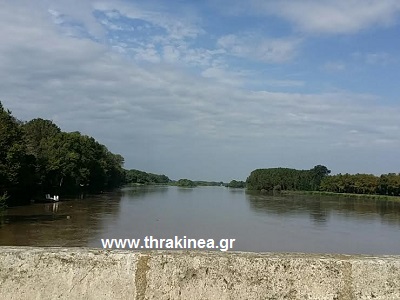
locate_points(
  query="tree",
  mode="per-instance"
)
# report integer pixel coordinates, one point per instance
(185, 183)
(38, 136)
(136, 176)
(317, 174)
(237, 184)
(37, 157)
(16, 165)
(287, 179)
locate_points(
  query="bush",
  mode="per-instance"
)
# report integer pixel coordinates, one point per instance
(3, 200)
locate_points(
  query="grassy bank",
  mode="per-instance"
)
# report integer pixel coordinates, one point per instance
(348, 195)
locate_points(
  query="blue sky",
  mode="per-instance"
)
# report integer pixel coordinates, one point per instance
(212, 89)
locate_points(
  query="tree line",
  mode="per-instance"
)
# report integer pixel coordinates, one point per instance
(287, 179)
(37, 157)
(236, 184)
(140, 177)
(385, 184)
(318, 179)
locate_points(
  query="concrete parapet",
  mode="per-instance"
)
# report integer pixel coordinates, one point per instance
(80, 273)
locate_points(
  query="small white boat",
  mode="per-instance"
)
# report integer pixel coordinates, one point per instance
(52, 199)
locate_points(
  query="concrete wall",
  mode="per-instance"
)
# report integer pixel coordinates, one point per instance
(75, 273)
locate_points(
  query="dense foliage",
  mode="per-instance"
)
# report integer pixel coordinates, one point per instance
(208, 183)
(386, 184)
(236, 184)
(318, 179)
(287, 179)
(140, 177)
(185, 183)
(37, 157)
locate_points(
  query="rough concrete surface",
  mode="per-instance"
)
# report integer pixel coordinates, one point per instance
(77, 273)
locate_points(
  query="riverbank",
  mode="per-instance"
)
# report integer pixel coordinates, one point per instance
(347, 195)
(81, 273)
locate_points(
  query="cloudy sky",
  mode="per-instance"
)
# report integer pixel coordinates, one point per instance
(212, 89)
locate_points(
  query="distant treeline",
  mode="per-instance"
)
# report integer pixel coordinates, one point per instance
(287, 179)
(386, 184)
(140, 177)
(36, 157)
(236, 184)
(184, 182)
(208, 183)
(318, 179)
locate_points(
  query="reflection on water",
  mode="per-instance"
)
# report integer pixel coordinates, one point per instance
(137, 192)
(66, 223)
(258, 222)
(319, 208)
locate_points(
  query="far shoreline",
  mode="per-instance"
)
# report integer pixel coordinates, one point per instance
(346, 195)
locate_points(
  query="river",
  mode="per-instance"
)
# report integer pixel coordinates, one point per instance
(266, 223)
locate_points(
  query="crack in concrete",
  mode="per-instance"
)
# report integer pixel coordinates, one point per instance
(79, 281)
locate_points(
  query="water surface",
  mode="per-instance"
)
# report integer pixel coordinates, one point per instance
(316, 224)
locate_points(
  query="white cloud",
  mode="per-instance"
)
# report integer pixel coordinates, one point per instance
(171, 53)
(166, 119)
(177, 28)
(163, 36)
(77, 12)
(148, 53)
(339, 16)
(221, 75)
(259, 49)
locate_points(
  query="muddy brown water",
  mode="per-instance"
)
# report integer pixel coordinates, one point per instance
(313, 224)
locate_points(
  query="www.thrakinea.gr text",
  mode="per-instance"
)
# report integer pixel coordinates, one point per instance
(149, 242)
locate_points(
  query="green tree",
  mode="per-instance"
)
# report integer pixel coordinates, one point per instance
(135, 176)
(316, 175)
(38, 134)
(286, 179)
(37, 156)
(185, 183)
(237, 184)
(16, 166)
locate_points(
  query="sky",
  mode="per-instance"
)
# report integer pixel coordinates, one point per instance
(213, 89)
